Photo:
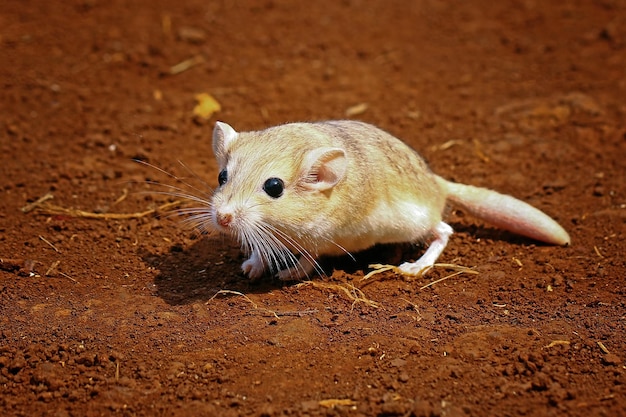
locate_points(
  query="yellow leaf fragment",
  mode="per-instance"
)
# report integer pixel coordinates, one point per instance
(356, 109)
(207, 105)
(186, 64)
(335, 402)
(603, 348)
(558, 342)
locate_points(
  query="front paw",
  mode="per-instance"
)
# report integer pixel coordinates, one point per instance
(254, 268)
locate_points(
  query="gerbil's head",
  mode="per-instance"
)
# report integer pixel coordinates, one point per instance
(273, 187)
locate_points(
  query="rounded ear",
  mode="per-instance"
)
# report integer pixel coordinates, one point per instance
(323, 168)
(223, 136)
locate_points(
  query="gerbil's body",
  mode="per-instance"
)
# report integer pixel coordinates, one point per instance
(333, 187)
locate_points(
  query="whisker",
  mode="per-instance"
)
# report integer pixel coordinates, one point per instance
(198, 220)
(196, 217)
(344, 250)
(277, 243)
(193, 209)
(279, 250)
(182, 195)
(192, 214)
(170, 186)
(176, 178)
(301, 250)
(156, 168)
(271, 249)
(195, 175)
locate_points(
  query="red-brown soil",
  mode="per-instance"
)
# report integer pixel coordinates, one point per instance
(117, 316)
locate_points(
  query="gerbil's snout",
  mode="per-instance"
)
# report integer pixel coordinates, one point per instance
(223, 219)
(226, 217)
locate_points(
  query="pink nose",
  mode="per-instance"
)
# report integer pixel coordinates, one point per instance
(225, 219)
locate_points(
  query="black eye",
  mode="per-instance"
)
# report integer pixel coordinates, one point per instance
(274, 187)
(222, 177)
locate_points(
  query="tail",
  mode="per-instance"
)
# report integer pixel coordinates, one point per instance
(505, 212)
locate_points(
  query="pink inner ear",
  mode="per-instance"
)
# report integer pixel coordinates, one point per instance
(328, 172)
(327, 166)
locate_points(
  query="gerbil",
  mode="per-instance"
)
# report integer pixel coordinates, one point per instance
(294, 192)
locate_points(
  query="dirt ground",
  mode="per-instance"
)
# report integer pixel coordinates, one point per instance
(108, 306)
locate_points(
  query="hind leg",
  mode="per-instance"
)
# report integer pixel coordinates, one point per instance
(441, 233)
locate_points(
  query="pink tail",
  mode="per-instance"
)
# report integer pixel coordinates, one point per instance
(506, 212)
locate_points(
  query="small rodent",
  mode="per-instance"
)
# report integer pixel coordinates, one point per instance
(294, 192)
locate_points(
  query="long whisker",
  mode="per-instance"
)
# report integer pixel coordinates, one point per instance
(272, 250)
(289, 260)
(271, 232)
(301, 250)
(182, 180)
(344, 250)
(177, 188)
(195, 175)
(181, 194)
(197, 218)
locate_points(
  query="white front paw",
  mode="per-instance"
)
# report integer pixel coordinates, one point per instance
(253, 267)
